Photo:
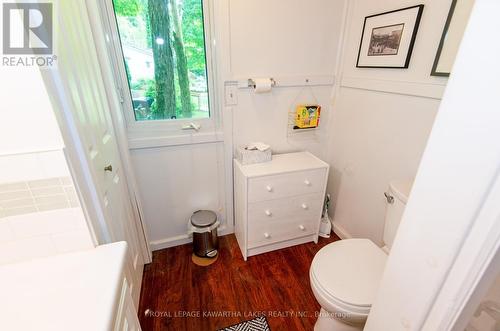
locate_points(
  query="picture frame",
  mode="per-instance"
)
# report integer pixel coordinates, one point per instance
(388, 38)
(454, 28)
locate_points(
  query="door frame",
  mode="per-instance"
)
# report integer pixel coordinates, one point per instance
(119, 125)
(79, 164)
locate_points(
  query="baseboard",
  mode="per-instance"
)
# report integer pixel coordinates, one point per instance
(183, 239)
(340, 231)
(224, 230)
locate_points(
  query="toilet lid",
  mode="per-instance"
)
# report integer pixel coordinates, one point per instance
(350, 270)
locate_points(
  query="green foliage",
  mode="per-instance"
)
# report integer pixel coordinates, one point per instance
(147, 85)
(150, 89)
(144, 16)
(127, 8)
(134, 18)
(194, 39)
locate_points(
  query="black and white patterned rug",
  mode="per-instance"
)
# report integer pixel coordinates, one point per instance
(257, 324)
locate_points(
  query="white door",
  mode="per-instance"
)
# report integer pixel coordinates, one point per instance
(86, 107)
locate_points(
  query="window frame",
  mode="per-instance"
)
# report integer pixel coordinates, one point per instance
(153, 129)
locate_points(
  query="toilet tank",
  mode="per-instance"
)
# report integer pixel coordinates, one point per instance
(396, 198)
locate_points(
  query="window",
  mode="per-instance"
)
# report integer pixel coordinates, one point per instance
(163, 43)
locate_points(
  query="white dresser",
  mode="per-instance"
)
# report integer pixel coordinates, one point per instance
(278, 203)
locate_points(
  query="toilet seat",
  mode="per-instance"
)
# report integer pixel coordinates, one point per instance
(346, 275)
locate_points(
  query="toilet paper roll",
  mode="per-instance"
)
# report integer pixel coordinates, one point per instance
(263, 85)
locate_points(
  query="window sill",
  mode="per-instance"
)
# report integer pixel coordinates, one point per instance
(176, 140)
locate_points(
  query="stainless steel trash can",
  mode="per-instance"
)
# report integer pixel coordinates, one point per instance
(204, 226)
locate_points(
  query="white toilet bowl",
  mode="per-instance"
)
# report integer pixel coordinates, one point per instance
(344, 278)
(345, 275)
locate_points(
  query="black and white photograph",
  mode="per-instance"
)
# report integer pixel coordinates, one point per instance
(385, 40)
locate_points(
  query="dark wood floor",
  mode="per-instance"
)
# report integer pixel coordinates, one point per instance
(178, 295)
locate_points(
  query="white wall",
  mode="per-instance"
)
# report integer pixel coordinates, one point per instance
(30, 140)
(33, 166)
(264, 117)
(259, 38)
(28, 124)
(282, 39)
(381, 120)
(174, 182)
(40, 213)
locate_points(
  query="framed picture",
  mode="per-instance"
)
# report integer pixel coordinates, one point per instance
(453, 31)
(387, 39)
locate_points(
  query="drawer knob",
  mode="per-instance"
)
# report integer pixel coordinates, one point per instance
(269, 188)
(267, 235)
(307, 182)
(268, 213)
(304, 206)
(301, 227)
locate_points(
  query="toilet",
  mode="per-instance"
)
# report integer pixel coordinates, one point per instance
(345, 275)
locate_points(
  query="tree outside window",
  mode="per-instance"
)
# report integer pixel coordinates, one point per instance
(170, 35)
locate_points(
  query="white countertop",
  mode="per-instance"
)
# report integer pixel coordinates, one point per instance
(282, 163)
(75, 291)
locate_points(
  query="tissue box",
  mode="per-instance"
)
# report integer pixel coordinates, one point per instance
(246, 156)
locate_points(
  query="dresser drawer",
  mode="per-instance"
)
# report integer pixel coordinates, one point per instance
(261, 234)
(305, 206)
(286, 185)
